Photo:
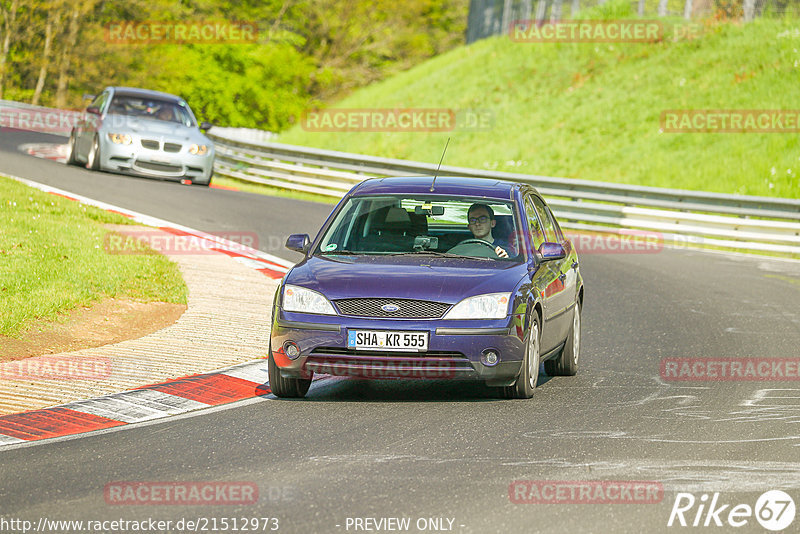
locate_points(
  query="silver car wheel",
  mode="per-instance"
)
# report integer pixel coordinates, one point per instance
(576, 334)
(533, 356)
(90, 159)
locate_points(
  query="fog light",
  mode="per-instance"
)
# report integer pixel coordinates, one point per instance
(490, 357)
(291, 350)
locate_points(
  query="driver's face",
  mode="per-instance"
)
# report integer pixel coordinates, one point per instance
(482, 225)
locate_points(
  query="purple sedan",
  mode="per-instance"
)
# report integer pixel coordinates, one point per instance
(461, 278)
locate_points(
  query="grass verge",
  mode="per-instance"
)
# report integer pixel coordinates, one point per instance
(592, 110)
(52, 260)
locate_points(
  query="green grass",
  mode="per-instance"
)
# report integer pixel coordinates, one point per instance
(52, 260)
(591, 111)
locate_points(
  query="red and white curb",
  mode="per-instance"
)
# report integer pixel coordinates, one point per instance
(244, 381)
(155, 401)
(270, 265)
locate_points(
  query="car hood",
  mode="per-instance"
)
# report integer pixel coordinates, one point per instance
(145, 127)
(405, 277)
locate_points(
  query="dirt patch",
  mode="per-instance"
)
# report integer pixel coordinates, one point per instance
(108, 321)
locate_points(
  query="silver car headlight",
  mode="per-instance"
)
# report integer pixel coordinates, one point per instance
(300, 299)
(489, 306)
(198, 150)
(120, 139)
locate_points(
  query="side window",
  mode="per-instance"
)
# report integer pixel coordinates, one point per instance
(535, 228)
(100, 101)
(547, 223)
(559, 233)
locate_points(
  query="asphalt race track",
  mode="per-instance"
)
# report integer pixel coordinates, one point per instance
(430, 450)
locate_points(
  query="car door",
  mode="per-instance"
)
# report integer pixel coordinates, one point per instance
(544, 277)
(561, 289)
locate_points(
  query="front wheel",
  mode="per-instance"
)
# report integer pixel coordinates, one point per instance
(567, 362)
(288, 388)
(529, 374)
(71, 159)
(93, 159)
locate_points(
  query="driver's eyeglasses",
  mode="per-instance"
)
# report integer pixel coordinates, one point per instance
(475, 220)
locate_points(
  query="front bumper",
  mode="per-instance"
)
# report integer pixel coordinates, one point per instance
(139, 161)
(454, 348)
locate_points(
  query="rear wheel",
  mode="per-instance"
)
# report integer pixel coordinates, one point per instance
(290, 388)
(567, 362)
(529, 374)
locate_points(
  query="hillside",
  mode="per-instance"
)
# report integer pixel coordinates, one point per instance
(592, 110)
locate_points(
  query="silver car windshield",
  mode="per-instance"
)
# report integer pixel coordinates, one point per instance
(149, 108)
(404, 224)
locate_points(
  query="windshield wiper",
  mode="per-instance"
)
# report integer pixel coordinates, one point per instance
(436, 253)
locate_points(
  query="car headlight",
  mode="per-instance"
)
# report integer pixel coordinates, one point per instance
(300, 299)
(490, 306)
(120, 139)
(198, 150)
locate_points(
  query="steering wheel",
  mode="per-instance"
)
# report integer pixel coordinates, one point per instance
(474, 241)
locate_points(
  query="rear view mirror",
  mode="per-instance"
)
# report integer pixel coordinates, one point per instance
(552, 251)
(299, 243)
(427, 209)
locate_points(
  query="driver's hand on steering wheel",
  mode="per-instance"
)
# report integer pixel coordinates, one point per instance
(500, 251)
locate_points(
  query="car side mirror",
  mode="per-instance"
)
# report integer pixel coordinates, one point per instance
(93, 110)
(205, 125)
(299, 243)
(552, 251)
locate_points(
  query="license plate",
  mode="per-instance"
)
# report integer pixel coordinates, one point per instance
(387, 340)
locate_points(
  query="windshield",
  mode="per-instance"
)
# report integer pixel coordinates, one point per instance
(150, 108)
(430, 225)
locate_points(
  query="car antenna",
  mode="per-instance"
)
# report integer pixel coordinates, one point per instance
(440, 163)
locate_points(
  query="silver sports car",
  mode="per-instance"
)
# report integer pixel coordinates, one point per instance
(145, 133)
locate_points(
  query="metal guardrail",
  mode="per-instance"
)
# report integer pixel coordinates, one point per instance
(684, 218)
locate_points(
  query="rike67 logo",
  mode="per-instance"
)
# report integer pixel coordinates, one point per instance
(774, 510)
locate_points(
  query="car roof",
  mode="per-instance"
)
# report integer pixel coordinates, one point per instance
(134, 91)
(445, 185)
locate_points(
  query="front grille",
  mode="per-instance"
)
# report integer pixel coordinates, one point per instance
(407, 309)
(159, 167)
(151, 144)
(172, 147)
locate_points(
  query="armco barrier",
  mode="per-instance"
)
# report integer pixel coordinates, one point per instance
(683, 218)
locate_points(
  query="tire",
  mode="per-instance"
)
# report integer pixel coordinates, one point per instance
(567, 362)
(93, 158)
(71, 159)
(529, 374)
(287, 388)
